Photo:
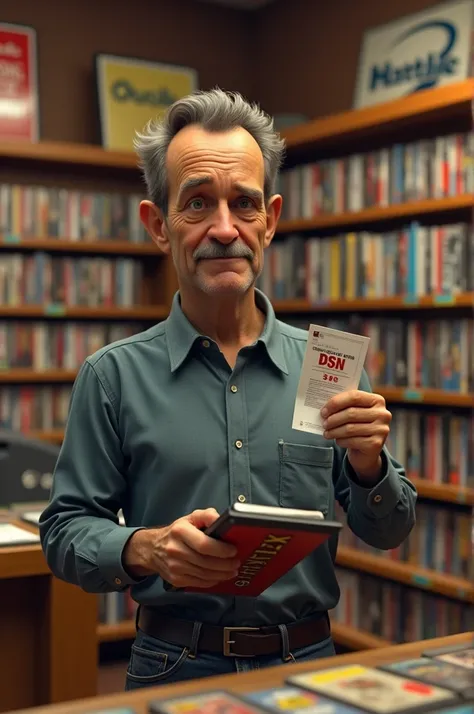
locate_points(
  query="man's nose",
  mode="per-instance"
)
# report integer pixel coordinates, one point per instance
(223, 228)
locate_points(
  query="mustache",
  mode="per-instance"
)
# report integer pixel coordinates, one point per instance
(214, 249)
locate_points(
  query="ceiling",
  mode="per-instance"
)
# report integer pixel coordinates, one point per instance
(241, 4)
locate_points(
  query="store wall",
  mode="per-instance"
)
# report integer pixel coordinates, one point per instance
(215, 40)
(292, 56)
(307, 50)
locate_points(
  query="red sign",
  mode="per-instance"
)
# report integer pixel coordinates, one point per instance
(18, 83)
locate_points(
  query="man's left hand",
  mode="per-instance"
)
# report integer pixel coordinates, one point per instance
(359, 422)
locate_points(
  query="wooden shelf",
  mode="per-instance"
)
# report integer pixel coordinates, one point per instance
(391, 394)
(31, 376)
(64, 245)
(439, 397)
(406, 573)
(444, 492)
(120, 631)
(56, 152)
(378, 214)
(400, 302)
(144, 312)
(355, 639)
(55, 436)
(419, 108)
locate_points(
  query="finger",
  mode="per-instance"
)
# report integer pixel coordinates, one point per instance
(201, 543)
(352, 415)
(224, 566)
(187, 544)
(361, 443)
(178, 569)
(354, 443)
(351, 398)
(349, 431)
(203, 517)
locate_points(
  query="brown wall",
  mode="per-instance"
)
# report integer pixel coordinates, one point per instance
(308, 50)
(214, 40)
(292, 56)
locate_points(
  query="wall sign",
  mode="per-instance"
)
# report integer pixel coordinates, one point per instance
(421, 51)
(133, 91)
(19, 118)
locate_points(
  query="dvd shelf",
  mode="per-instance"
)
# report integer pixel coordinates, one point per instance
(378, 238)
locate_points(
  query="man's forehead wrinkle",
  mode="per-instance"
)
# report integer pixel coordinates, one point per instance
(191, 156)
(188, 170)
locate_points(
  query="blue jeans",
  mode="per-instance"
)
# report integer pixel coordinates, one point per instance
(155, 662)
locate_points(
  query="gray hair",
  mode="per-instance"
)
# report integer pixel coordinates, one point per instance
(214, 110)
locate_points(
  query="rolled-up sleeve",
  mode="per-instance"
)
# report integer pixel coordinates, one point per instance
(79, 530)
(383, 515)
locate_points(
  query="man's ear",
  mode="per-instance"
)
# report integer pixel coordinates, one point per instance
(273, 216)
(153, 219)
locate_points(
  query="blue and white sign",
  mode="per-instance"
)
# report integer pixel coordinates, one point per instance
(429, 49)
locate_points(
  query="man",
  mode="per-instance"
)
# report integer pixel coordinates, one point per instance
(176, 423)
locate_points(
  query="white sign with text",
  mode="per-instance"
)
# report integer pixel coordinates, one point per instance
(421, 51)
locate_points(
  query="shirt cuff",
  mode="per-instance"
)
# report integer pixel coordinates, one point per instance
(381, 499)
(109, 558)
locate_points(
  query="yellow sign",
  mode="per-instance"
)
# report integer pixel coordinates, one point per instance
(133, 91)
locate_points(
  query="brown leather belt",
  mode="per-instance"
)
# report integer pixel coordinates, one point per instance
(233, 641)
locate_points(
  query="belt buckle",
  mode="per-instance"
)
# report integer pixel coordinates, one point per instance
(228, 642)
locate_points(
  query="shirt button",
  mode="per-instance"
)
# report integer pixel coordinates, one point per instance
(241, 498)
(117, 581)
(238, 444)
(206, 343)
(233, 388)
(377, 498)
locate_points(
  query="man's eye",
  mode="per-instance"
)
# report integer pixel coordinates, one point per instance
(245, 202)
(197, 204)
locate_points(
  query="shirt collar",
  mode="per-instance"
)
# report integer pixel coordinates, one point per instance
(181, 335)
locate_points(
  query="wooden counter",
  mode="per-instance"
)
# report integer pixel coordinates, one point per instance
(48, 634)
(239, 683)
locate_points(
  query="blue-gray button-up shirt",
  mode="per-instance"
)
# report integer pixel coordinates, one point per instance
(160, 425)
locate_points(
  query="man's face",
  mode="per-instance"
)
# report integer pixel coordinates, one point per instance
(217, 224)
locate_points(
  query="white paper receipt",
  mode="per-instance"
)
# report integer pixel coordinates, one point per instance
(333, 363)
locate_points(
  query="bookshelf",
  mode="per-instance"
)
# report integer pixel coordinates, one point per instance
(57, 153)
(406, 573)
(394, 394)
(444, 492)
(435, 208)
(77, 271)
(351, 127)
(436, 397)
(30, 376)
(57, 310)
(55, 436)
(354, 639)
(61, 245)
(398, 303)
(327, 207)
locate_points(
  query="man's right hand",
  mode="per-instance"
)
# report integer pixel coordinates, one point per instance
(181, 553)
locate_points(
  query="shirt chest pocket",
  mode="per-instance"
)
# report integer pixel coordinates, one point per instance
(305, 476)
